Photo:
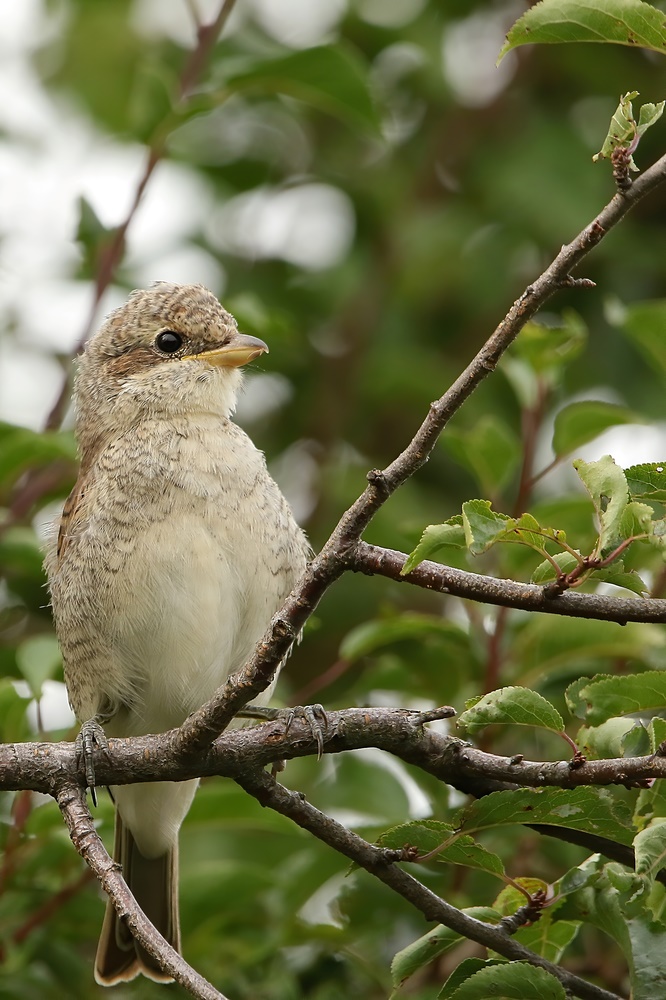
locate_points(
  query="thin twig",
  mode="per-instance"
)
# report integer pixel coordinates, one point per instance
(374, 560)
(373, 859)
(87, 842)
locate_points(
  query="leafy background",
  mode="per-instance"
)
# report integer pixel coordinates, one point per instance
(368, 193)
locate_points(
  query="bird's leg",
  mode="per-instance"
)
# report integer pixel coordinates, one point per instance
(90, 736)
(314, 716)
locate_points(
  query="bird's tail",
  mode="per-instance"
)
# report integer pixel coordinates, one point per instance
(154, 884)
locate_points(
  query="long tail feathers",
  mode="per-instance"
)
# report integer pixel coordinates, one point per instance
(154, 884)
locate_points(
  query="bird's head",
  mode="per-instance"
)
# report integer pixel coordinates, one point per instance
(171, 349)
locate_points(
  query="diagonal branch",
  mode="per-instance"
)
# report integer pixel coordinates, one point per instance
(338, 554)
(374, 560)
(87, 842)
(381, 864)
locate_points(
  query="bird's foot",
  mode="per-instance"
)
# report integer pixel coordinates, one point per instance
(314, 717)
(91, 735)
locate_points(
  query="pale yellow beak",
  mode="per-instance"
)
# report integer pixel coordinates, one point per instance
(241, 349)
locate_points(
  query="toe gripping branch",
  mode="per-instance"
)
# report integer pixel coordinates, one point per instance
(91, 736)
(313, 716)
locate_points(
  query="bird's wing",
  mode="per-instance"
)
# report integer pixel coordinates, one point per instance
(73, 513)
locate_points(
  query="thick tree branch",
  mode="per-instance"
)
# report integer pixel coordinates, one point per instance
(87, 842)
(374, 560)
(380, 863)
(47, 767)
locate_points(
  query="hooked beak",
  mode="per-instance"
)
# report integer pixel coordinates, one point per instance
(240, 349)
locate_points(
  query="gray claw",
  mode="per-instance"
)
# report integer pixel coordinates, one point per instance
(90, 736)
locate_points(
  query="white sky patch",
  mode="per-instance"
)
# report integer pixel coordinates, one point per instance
(29, 385)
(300, 23)
(311, 225)
(469, 54)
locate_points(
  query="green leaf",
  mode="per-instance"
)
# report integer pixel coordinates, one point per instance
(636, 743)
(647, 481)
(607, 485)
(490, 450)
(611, 902)
(429, 835)
(579, 423)
(462, 973)
(624, 130)
(38, 659)
(616, 575)
(434, 538)
(623, 22)
(332, 78)
(594, 810)
(545, 571)
(511, 899)
(509, 981)
(549, 938)
(21, 448)
(644, 323)
(433, 944)
(650, 850)
(13, 723)
(606, 697)
(373, 635)
(483, 526)
(606, 740)
(540, 353)
(517, 706)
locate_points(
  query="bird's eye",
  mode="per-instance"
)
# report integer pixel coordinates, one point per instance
(168, 342)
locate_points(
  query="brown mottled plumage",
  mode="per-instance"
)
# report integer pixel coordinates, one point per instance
(175, 549)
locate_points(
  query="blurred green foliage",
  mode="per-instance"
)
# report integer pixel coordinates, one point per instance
(456, 203)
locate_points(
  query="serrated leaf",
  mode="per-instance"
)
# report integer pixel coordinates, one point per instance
(578, 423)
(516, 706)
(610, 902)
(619, 577)
(511, 899)
(606, 740)
(623, 22)
(607, 485)
(545, 571)
(647, 481)
(483, 526)
(528, 531)
(624, 130)
(461, 974)
(429, 835)
(434, 538)
(605, 697)
(433, 944)
(509, 981)
(331, 77)
(591, 809)
(650, 850)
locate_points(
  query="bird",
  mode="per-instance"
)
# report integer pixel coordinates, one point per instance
(174, 550)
